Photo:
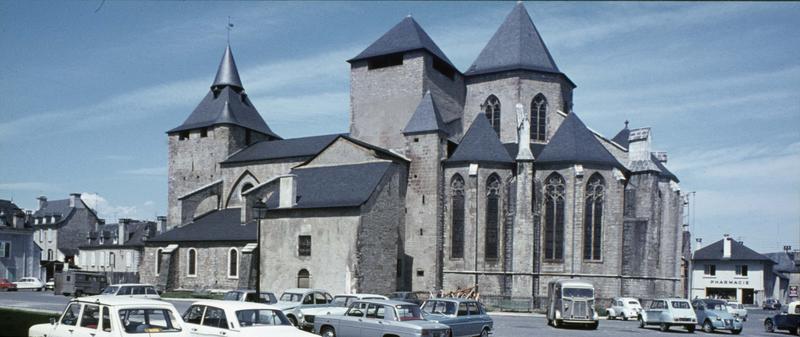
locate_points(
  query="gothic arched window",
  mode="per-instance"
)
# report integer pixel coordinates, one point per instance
(554, 195)
(233, 263)
(593, 218)
(191, 263)
(457, 227)
(303, 279)
(492, 110)
(158, 261)
(492, 217)
(538, 117)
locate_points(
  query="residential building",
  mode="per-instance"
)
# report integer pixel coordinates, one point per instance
(19, 256)
(727, 269)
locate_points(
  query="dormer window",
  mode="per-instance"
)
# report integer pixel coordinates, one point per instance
(184, 135)
(385, 61)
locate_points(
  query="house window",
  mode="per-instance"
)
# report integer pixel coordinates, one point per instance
(741, 270)
(233, 263)
(94, 258)
(304, 245)
(457, 227)
(158, 261)
(538, 118)
(385, 61)
(49, 255)
(491, 245)
(191, 264)
(492, 110)
(710, 270)
(303, 279)
(555, 189)
(593, 218)
(5, 249)
(129, 260)
(112, 260)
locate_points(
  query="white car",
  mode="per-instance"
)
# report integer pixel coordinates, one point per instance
(306, 314)
(624, 308)
(30, 283)
(110, 316)
(295, 297)
(668, 312)
(134, 290)
(737, 310)
(238, 319)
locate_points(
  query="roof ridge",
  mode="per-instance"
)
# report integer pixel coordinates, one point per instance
(574, 142)
(480, 144)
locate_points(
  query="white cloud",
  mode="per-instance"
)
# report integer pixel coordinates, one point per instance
(147, 171)
(107, 210)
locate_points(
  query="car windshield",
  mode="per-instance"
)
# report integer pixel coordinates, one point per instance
(260, 317)
(408, 313)
(144, 320)
(440, 307)
(680, 305)
(109, 291)
(232, 296)
(578, 292)
(291, 297)
(342, 301)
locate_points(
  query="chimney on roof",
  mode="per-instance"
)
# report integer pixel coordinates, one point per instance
(162, 224)
(18, 220)
(122, 233)
(639, 144)
(42, 202)
(73, 199)
(726, 246)
(288, 191)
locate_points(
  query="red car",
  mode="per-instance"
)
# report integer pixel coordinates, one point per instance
(6, 285)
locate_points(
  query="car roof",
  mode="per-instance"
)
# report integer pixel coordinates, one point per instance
(626, 299)
(249, 291)
(234, 305)
(672, 299)
(303, 290)
(120, 301)
(575, 283)
(452, 299)
(386, 302)
(359, 296)
(131, 285)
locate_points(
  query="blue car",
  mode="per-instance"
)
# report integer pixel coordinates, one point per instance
(464, 317)
(713, 315)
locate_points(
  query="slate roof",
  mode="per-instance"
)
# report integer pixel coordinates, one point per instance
(227, 74)
(286, 148)
(622, 137)
(221, 225)
(515, 45)
(739, 252)
(8, 210)
(784, 262)
(574, 143)
(335, 186)
(426, 118)
(136, 231)
(57, 208)
(664, 171)
(405, 36)
(513, 148)
(480, 145)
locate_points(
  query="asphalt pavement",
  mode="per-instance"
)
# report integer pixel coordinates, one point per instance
(506, 324)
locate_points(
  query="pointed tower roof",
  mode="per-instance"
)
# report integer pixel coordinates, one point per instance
(407, 35)
(574, 143)
(480, 145)
(227, 74)
(622, 137)
(426, 118)
(515, 45)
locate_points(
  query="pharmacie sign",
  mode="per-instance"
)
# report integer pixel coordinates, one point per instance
(730, 282)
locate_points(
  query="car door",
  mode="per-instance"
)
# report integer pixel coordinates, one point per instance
(374, 321)
(475, 321)
(653, 314)
(700, 311)
(215, 323)
(193, 318)
(89, 324)
(351, 322)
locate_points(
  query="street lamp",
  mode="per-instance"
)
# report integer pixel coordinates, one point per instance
(259, 213)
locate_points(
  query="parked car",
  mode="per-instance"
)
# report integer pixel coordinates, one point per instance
(111, 316)
(306, 314)
(50, 284)
(737, 310)
(79, 283)
(30, 283)
(713, 315)
(238, 319)
(465, 317)
(624, 308)
(246, 295)
(788, 319)
(571, 302)
(132, 290)
(379, 318)
(416, 297)
(668, 312)
(293, 298)
(771, 304)
(7, 285)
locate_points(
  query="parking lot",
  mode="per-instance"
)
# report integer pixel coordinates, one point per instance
(506, 324)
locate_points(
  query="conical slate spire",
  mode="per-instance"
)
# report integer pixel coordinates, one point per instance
(622, 137)
(426, 118)
(480, 145)
(515, 45)
(405, 36)
(574, 143)
(227, 74)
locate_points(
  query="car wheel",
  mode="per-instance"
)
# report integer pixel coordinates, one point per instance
(624, 318)
(690, 328)
(556, 324)
(328, 332)
(736, 332)
(293, 321)
(611, 317)
(594, 325)
(485, 332)
(664, 327)
(707, 327)
(641, 322)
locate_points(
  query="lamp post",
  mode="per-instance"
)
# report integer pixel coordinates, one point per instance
(259, 213)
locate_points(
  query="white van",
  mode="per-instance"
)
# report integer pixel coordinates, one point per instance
(134, 290)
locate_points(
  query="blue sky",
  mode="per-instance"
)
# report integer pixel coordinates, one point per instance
(87, 96)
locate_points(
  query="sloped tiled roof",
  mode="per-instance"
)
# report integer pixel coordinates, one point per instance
(515, 45)
(136, 231)
(426, 118)
(622, 137)
(221, 225)
(513, 148)
(739, 252)
(574, 143)
(287, 148)
(54, 207)
(664, 171)
(335, 186)
(784, 262)
(480, 145)
(405, 36)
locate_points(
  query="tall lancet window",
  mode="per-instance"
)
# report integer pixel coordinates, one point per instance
(593, 218)
(492, 109)
(457, 227)
(554, 195)
(538, 117)
(492, 217)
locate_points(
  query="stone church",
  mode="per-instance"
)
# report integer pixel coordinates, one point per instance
(445, 179)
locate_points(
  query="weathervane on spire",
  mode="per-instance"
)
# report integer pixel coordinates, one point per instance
(228, 28)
